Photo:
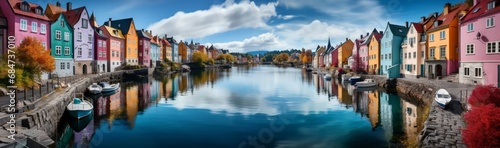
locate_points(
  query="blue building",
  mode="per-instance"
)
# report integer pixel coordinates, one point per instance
(155, 51)
(390, 51)
(175, 50)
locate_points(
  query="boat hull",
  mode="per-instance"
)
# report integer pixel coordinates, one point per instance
(80, 113)
(95, 91)
(354, 80)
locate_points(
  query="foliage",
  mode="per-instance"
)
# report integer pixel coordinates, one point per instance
(199, 57)
(484, 95)
(210, 61)
(31, 60)
(282, 57)
(483, 124)
(356, 66)
(227, 57)
(306, 56)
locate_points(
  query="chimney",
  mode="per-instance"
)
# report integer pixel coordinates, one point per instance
(346, 39)
(406, 24)
(435, 15)
(68, 6)
(58, 4)
(367, 34)
(165, 36)
(142, 30)
(447, 8)
(381, 32)
(422, 19)
(361, 36)
(150, 32)
(109, 22)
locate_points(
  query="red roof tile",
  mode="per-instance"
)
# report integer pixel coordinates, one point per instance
(74, 15)
(15, 5)
(54, 12)
(482, 11)
(448, 18)
(419, 27)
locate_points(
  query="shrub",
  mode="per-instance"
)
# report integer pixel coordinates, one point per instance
(485, 94)
(210, 61)
(483, 124)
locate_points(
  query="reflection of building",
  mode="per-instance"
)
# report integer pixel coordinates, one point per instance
(361, 102)
(115, 106)
(373, 108)
(155, 91)
(344, 96)
(390, 113)
(183, 83)
(144, 94)
(175, 88)
(410, 119)
(100, 106)
(132, 97)
(82, 138)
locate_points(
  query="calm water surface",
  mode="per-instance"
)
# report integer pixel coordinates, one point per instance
(243, 107)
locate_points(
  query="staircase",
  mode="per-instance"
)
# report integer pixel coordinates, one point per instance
(452, 78)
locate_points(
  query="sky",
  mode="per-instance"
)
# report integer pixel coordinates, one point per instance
(244, 25)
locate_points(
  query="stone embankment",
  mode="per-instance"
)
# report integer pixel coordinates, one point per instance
(39, 122)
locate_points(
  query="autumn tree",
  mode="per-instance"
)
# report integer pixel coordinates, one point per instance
(227, 57)
(483, 120)
(199, 57)
(282, 57)
(31, 60)
(356, 65)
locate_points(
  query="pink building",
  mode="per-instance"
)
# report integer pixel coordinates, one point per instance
(480, 44)
(25, 19)
(360, 47)
(334, 55)
(144, 48)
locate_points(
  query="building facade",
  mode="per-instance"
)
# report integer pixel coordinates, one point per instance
(390, 50)
(61, 40)
(101, 53)
(115, 48)
(413, 46)
(83, 36)
(374, 53)
(144, 48)
(127, 27)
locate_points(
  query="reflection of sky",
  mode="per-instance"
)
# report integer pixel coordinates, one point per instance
(266, 91)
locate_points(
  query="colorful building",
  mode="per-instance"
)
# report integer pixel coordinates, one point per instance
(318, 57)
(390, 51)
(166, 49)
(413, 50)
(176, 58)
(83, 39)
(144, 48)
(356, 60)
(61, 41)
(101, 53)
(155, 51)
(480, 44)
(3, 34)
(374, 53)
(363, 50)
(116, 47)
(442, 59)
(183, 51)
(344, 51)
(127, 26)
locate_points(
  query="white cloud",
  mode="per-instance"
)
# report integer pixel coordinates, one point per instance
(262, 42)
(218, 19)
(126, 5)
(286, 17)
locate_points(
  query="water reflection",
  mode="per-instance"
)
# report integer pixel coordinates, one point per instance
(187, 110)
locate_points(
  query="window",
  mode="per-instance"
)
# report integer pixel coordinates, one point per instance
(43, 28)
(24, 25)
(99, 44)
(113, 53)
(85, 23)
(411, 30)
(79, 36)
(478, 72)
(34, 26)
(38, 11)
(401, 56)
(431, 37)
(67, 65)
(79, 52)
(442, 34)
(470, 27)
(25, 7)
(90, 37)
(140, 42)
(466, 72)
(432, 52)
(58, 50)
(414, 54)
(103, 44)
(470, 49)
(63, 65)
(406, 55)
(490, 22)
(58, 34)
(493, 47)
(44, 44)
(104, 54)
(66, 36)
(390, 55)
(491, 5)
(90, 53)
(66, 50)
(128, 50)
(100, 53)
(442, 50)
(62, 22)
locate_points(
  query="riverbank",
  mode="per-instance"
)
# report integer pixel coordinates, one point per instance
(38, 120)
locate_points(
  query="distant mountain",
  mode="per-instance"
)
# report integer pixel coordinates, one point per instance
(261, 52)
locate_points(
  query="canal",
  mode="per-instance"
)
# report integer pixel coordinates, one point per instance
(248, 106)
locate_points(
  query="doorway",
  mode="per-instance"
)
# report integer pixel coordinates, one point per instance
(422, 70)
(84, 69)
(103, 68)
(498, 75)
(439, 70)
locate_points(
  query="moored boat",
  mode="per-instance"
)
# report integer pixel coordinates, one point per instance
(442, 98)
(79, 107)
(106, 87)
(94, 88)
(354, 79)
(327, 77)
(345, 77)
(366, 83)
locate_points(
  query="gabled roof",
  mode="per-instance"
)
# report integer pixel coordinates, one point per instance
(445, 20)
(377, 36)
(418, 27)
(99, 32)
(482, 10)
(141, 34)
(368, 40)
(53, 12)
(165, 42)
(154, 40)
(15, 5)
(397, 30)
(123, 24)
(73, 16)
(117, 33)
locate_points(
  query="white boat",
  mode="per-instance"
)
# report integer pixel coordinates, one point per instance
(442, 98)
(79, 107)
(366, 83)
(106, 87)
(327, 77)
(94, 88)
(345, 77)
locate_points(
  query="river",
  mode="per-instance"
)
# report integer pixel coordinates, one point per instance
(246, 106)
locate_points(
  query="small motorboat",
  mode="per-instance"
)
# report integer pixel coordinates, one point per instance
(327, 77)
(366, 83)
(442, 98)
(345, 77)
(354, 79)
(227, 66)
(79, 107)
(94, 88)
(365, 89)
(106, 87)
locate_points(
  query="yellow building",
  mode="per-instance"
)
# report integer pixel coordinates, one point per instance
(132, 102)
(345, 50)
(127, 27)
(442, 39)
(183, 51)
(373, 108)
(374, 53)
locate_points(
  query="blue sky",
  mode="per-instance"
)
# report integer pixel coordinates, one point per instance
(243, 25)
